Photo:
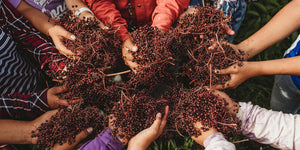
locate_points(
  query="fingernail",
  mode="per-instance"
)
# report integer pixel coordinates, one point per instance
(134, 48)
(158, 115)
(89, 130)
(217, 71)
(73, 37)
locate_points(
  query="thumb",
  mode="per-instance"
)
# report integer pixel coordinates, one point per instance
(59, 89)
(157, 122)
(225, 71)
(83, 134)
(68, 35)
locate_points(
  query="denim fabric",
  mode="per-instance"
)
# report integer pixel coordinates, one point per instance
(234, 8)
(285, 95)
(286, 89)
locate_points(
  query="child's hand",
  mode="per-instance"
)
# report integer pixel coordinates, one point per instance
(201, 138)
(58, 33)
(53, 99)
(127, 48)
(143, 139)
(232, 106)
(238, 74)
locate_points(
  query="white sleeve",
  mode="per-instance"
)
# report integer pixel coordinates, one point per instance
(217, 142)
(270, 127)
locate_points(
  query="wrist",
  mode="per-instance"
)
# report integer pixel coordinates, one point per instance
(28, 128)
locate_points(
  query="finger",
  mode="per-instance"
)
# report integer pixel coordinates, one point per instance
(63, 49)
(156, 124)
(59, 89)
(63, 102)
(132, 65)
(82, 135)
(229, 31)
(164, 120)
(68, 35)
(128, 57)
(75, 101)
(218, 87)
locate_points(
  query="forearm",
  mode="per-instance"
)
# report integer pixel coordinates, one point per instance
(269, 127)
(36, 17)
(19, 106)
(288, 66)
(280, 26)
(15, 132)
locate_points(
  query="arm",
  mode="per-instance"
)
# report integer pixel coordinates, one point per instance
(280, 26)
(270, 127)
(167, 11)
(106, 11)
(42, 23)
(239, 74)
(19, 132)
(19, 106)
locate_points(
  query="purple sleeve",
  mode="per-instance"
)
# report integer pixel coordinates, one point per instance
(104, 141)
(278, 129)
(15, 3)
(217, 141)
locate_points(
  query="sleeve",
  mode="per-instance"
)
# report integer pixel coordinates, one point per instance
(217, 141)
(167, 12)
(29, 39)
(15, 3)
(19, 106)
(278, 129)
(106, 11)
(104, 141)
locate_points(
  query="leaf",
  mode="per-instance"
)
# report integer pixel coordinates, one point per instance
(260, 7)
(252, 13)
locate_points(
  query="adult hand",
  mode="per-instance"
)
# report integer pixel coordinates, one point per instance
(127, 48)
(47, 116)
(143, 139)
(238, 74)
(58, 33)
(54, 100)
(79, 137)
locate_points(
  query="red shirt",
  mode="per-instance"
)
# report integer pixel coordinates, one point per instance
(120, 13)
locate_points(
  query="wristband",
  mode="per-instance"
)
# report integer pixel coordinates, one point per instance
(82, 9)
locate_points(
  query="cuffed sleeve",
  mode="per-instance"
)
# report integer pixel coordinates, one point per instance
(275, 128)
(217, 141)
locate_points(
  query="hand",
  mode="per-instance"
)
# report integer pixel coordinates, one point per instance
(85, 15)
(238, 74)
(127, 48)
(143, 139)
(201, 138)
(47, 116)
(38, 121)
(53, 99)
(232, 106)
(79, 137)
(58, 33)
